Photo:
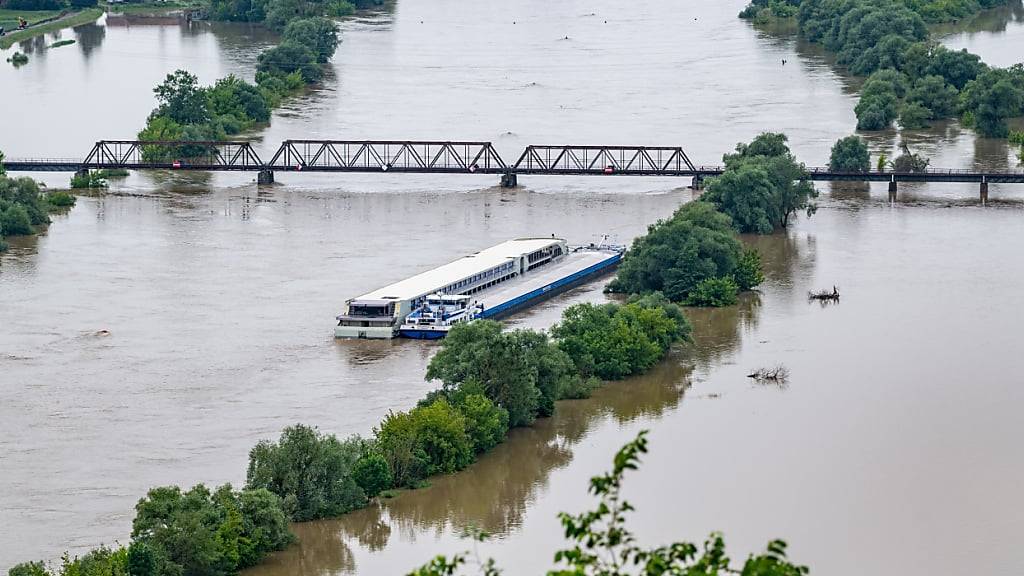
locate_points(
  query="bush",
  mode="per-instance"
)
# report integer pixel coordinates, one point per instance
(397, 442)
(698, 242)
(91, 179)
(14, 221)
(914, 116)
(208, 533)
(501, 363)
(60, 199)
(486, 424)
(372, 474)
(440, 431)
(613, 341)
(748, 273)
(18, 59)
(850, 154)
(309, 471)
(289, 57)
(318, 34)
(236, 98)
(714, 292)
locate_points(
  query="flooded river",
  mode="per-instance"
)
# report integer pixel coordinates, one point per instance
(156, 332)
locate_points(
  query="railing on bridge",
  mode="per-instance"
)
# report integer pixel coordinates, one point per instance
(637, 160)
(385, 155)
(199, 155)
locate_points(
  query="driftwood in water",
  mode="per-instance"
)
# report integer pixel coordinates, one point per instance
(777, 375)
(825, 295)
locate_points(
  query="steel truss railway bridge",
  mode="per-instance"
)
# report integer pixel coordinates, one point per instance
(436, 157)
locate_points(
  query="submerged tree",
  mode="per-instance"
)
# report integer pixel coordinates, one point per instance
(850, 154)
(763, 185)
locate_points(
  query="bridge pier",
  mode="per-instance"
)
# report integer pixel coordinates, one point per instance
(984, 192)
(509, 180)
(892, 190)
(697, 183)
(265, 177)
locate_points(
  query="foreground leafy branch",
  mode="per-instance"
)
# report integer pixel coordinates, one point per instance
(603, 545)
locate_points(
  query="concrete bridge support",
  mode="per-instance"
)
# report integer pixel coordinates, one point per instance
(892, 190)
(697, 183)
(265, 177)
(984, 192)
(509, 180)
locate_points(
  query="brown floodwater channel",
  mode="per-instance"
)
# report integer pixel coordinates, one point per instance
(157, 331)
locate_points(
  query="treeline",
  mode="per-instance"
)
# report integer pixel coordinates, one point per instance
(30, 5)
(910, 78)
(24, 208)
(491, 381)
(187, 111)
(275, 14)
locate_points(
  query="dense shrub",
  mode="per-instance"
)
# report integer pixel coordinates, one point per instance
(714, 292)
(319, 34)
(372, 474)
(613, 341)
(850, 154)
(208, 533)
(311, 472)
(91, 179)
(60, 199)
(289, 57)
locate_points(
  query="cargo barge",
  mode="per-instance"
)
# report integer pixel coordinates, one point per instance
(489, 284)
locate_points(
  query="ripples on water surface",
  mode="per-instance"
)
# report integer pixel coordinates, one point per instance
(896, 435)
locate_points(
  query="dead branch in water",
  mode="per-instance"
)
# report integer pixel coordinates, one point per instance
(825, 295)
(777, 375)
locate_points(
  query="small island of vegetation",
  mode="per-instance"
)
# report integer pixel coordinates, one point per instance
(24, 207)
(911, 78)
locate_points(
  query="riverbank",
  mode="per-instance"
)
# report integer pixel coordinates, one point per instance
(66, 21)
(151, 8)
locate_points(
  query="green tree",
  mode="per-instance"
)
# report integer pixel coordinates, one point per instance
(698, 242)
(714, 292)
(289, 57)
(850, 154)
(319, 34)
(957, 67)
(14, 221)
(141, 560)
(400, 447)
(311, 472)
(372, 474)
(481, 353)
(486, 424)
(180, 98)
(3, 171)
(237, 98)
(763, 186)
(748, 273)
(994, 96)
(914, 116)
(29, 569)
(933, 93)
(440, 431)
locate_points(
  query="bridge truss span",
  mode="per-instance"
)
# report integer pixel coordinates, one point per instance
(448, 157)
(633, 160)
(198, 155)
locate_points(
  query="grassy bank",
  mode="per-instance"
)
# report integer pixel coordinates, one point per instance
(150, 8)
(9, 18)
(72, 19)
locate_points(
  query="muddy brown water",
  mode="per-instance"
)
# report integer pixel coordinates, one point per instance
(154, 333)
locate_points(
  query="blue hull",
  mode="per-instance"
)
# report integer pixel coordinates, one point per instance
(423, 334)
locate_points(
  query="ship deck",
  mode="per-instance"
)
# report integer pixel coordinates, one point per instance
(540, 277)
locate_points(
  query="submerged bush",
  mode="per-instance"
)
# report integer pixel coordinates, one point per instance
(311, 472)
(714, 292)
(60, 199)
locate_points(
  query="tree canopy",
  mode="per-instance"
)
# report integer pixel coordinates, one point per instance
(850, 154)
(763, 185)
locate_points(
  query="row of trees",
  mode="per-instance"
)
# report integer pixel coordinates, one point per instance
(910, 78)
(276, 14)
(32, 5)
(187, 111)
(491, 380)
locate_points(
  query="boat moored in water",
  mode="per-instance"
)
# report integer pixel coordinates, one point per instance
(488, 284)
